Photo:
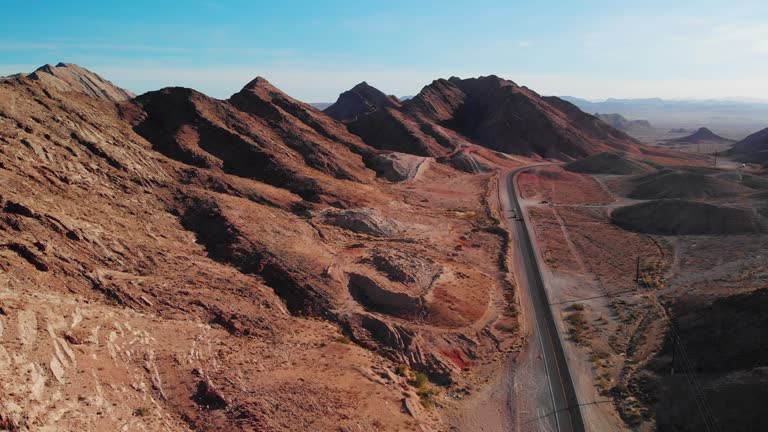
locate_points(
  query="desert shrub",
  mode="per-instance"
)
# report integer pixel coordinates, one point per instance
(343, 340)
(420, 380)
(427, 396)
(401, 370)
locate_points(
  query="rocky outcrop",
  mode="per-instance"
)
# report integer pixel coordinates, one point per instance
(395, 166)
(376, 297)
(364, 221)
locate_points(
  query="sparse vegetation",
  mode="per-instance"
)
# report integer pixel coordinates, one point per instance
(141, 412)
(420, 380)
(578, 326)
(620, 389)
(343, 339)
(427, 396)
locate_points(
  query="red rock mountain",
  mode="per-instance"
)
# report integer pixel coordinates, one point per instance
(360, 100)
(493, 113)
(187, 263)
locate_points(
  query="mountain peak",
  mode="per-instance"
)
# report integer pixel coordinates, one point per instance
(259, 81)
(701, 135)
(70, 77)
(360, 100)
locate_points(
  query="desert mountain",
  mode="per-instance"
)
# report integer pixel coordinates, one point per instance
(491, 112)
(67, 77)
(621, 123)
(702, 135)
(753, 148)
(165, 253)
(358, 101)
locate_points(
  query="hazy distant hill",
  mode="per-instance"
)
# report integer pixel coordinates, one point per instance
(662, 113)
(621, 123)
(703, 135)
(321, 105)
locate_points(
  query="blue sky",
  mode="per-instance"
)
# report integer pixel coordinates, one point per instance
(315, 49)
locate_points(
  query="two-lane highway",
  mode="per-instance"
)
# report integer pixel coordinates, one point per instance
(562, 412)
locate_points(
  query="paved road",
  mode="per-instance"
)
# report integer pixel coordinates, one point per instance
(567, 415)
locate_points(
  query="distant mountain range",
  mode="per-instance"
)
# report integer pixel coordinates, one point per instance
(663, 113)
(621, 123)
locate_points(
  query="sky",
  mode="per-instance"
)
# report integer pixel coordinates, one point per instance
(315, 49)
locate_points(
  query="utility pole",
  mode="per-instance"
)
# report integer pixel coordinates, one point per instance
(715, 159)
(672, 370)
(637, 271)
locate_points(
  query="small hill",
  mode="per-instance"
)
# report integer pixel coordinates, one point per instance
(608, 163)
(68, 77)
(669, 184)
(703, 135)
(753, 148)
(621, 123)
(358, 101)
(679, 217)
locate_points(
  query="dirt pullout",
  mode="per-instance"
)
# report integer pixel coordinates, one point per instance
(608, 163)
(680, 217)
(682, 184)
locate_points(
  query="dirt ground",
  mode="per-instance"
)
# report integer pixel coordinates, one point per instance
(617, 290)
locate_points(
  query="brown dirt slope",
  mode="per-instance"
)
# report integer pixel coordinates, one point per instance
(753, 148)
(680, 217)
(667, 184)
(720, 340)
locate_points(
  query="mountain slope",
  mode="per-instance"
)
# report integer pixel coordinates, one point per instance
(185, 263)
(493, 113)
(753, 148)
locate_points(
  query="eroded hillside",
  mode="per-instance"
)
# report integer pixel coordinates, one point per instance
(179, 262)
